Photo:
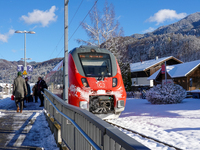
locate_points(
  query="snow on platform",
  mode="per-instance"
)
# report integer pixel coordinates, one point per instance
(26, 130)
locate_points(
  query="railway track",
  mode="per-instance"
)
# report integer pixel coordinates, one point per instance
(144, 136)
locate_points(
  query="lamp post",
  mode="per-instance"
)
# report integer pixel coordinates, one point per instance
(26, 58)
(31, 32)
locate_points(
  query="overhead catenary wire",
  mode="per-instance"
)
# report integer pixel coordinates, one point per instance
(2, 56)
(56, 45)
(83, 20)
(80, 23)
(75, 13)
(63, 33)
(60, 52)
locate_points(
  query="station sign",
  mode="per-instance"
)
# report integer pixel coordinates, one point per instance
(21, 68)
(29, 68)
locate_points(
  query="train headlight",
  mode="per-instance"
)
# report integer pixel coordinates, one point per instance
(83, 104)
(120, 104)
(84, 81)
(114, 82)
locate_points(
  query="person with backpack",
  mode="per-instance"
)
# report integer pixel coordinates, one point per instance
(41, 84)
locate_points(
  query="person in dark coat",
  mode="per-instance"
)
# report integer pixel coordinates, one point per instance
(27, 97)
(34, 89)
(19, 91)
(41, 84)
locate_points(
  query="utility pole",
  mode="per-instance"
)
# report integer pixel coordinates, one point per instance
(65, 62)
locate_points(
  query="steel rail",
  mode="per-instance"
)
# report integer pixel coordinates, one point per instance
(144, 136)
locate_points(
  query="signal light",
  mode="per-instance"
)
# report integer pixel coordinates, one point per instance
(84, 81)
(120, 104)
(114, 83)
(83, 105)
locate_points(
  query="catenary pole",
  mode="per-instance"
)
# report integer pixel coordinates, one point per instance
(165, 72)
(65, 92)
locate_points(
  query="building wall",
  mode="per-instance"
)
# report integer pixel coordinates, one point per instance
(193, 79)
(154, 69)
(140, 81)
(182, 81)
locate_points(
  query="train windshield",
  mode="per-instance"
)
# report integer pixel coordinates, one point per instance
(96, 64)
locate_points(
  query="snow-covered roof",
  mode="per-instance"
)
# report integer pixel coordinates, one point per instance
(179, 70)
(142, 66)
(154, 76)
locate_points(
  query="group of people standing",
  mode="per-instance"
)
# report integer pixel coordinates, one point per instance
(22, 91)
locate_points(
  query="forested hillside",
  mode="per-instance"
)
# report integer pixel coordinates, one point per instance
(8, 69)
(183, 47)
(180, 39)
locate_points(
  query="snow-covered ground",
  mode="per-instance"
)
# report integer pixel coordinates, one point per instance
(175, 124)
(39, 134)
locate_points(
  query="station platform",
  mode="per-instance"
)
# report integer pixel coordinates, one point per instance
(28, 130)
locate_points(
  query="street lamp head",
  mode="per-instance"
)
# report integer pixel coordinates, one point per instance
(26, 58)
(18, 31)
(31, 32)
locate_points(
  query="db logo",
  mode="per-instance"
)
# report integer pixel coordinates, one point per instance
(101, 85)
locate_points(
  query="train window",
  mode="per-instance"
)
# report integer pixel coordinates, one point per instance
(96, 64)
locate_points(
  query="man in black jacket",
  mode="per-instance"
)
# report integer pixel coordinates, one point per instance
(41, 84)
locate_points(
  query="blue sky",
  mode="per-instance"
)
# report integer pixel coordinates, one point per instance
(46, 18)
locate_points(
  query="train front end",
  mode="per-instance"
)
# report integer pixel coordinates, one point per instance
(95, 82)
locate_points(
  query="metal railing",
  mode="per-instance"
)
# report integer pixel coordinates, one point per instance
(82, 130)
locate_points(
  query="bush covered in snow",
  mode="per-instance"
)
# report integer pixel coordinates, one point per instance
(130, 94)
(167, 94)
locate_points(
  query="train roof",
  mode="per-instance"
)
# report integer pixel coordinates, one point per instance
(89, 48)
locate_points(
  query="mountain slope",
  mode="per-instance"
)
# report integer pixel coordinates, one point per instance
(189, 25)
(180, 39)
(8, 69)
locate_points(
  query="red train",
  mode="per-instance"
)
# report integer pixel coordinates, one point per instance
(95, 82)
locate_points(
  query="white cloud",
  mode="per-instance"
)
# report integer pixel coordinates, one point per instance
(4, 37)
(14, 51)
(165, 14)
(150, 29)
(38, 16)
